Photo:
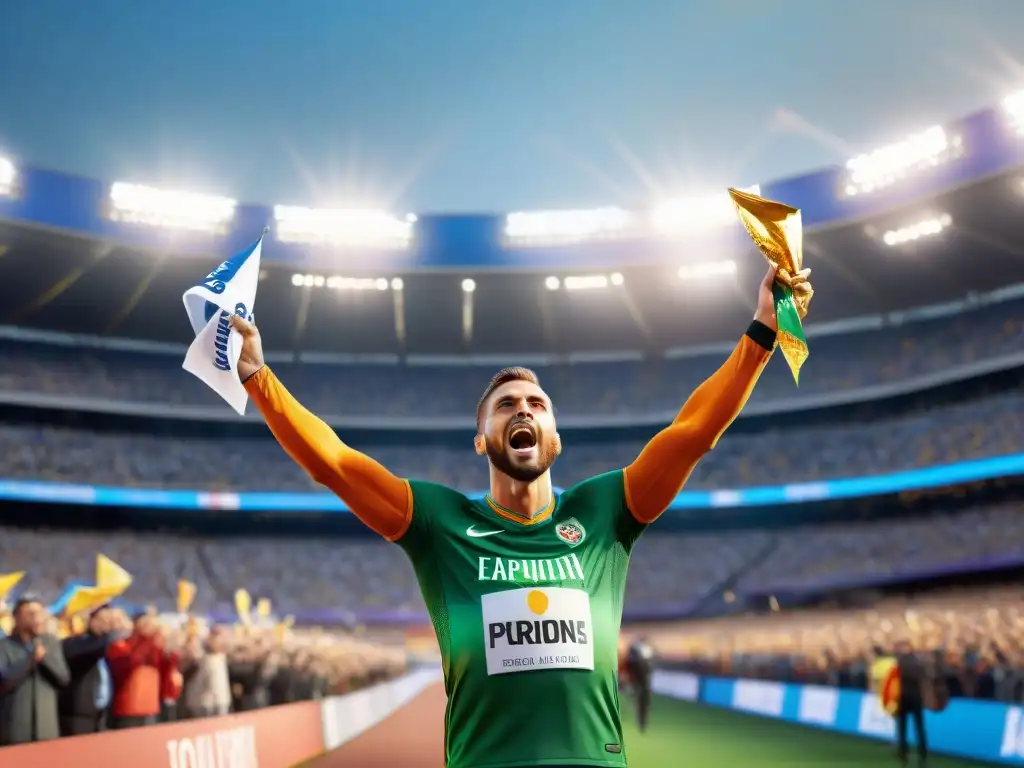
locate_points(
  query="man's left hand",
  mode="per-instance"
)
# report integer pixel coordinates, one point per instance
(800, 286)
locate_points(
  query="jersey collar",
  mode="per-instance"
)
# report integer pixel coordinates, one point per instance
(507, 514)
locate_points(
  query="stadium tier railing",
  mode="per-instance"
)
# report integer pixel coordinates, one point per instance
(977, 730)
(939, 476)
(276, 737)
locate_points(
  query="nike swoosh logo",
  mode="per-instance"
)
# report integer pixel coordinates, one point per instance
(475, 534)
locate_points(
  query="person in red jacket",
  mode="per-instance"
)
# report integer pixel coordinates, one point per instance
(144, 674)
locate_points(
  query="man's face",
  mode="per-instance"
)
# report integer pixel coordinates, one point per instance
(145, 626)
(518, 431)
(101, 622)
(30, 619)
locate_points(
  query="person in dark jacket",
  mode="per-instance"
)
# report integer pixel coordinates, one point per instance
(913, 680)
(83, 705)
(32, 671)
(640, 664)
(251, 674)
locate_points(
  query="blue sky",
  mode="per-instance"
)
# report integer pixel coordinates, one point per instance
(483, 105)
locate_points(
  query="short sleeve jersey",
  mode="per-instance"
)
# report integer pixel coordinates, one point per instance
(527, 617)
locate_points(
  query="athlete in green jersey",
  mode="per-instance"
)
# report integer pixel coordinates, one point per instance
(524, 588)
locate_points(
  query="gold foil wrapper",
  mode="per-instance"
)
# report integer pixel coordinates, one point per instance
(776, 229)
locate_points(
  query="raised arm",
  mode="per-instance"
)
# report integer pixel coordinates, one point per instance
(657, 475)
(379, 498)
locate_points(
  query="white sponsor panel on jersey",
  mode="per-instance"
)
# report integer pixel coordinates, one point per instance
(758, 697)
(874, 720)
(537, 629)
(677, 685)
(818, 705)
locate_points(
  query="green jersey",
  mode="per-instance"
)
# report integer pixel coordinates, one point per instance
(527, 616)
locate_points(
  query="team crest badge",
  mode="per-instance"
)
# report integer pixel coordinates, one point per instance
(570, 531)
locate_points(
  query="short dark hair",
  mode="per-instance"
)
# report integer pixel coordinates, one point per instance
(27, 599)
(504, 376)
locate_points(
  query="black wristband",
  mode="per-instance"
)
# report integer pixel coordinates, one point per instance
(253, 373)
(762, 335)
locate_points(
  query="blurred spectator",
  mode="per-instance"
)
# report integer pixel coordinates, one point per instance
(143, 672)
(207, 686)
(32, 669)
(83, 705)
(251, 673)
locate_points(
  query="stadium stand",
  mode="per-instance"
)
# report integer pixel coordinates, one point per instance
(859, 442)
(840, 363)
(920, 373)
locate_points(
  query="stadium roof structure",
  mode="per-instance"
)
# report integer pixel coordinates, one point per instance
(928, 220)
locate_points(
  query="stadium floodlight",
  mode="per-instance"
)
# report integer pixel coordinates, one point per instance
(566, 227)
(706, 269)
(591, 282)
(149, 206)
(552, 283)
(1014, 106)
(929, 227)
(397, 284)
(682, 215)
(343, 227)
(468, 285)
(8, 176)
(887, 165)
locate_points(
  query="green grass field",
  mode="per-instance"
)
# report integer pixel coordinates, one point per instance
(690, 735)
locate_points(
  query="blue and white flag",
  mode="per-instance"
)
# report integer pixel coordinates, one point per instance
(229, 289)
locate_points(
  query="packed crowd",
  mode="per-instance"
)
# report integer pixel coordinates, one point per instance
(669, 569)
(990, 426)
(972, 638)
(837, 363)
(116, 671)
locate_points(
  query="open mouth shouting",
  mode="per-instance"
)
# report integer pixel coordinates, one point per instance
(522, 438)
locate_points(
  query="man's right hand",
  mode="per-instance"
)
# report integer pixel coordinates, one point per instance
(252, 347)
(40, 651)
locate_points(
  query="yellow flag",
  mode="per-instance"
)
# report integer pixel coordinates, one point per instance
(243, 606)
(186, 594)
(78, 625)
(282, 627)
(879, 671)
(86, 599)
(9, 581)
(6, 623)
(110, 574)
(263, 608)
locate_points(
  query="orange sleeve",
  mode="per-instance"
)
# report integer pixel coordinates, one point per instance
(666, 462)
(377, 497)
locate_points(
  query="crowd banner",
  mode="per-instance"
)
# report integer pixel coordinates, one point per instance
(277, 737)
(978, 730)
